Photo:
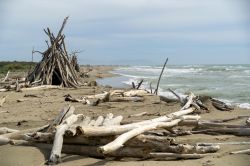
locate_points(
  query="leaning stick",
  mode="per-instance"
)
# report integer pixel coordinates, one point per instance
(158, 82)
(6, 77)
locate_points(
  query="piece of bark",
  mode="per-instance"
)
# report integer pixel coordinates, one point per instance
(248, 121)
(21, 100)
(138, 115)
(2, 100)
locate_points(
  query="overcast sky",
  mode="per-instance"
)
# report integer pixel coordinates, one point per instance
(138, 32)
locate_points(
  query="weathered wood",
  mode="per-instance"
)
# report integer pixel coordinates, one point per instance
(119, 141)
(2, 100)
(136, 93)
(115, 130)
(159, 79)
(4, 130)
(42, 87)
(246, 151)
(178, 156)
(63, 114)
(55, 155)
(222, 143)
(138, 115)
(126, 99)
(6, 77)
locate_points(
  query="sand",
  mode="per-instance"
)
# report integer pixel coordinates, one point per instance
(37, 111)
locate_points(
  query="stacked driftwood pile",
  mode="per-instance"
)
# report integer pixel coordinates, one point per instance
(106, 137)
(56, 66)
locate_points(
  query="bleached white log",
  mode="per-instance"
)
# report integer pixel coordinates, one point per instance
(4, 130)
(115, 130)
(55, 155)
(246, 151)
(117, 93)
(4, 140)
(137, 92)
(119, 141)
(101, 96)
(42, 87)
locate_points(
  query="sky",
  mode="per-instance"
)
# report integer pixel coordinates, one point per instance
(133, 32)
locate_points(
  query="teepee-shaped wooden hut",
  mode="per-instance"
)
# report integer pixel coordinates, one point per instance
(56, 66)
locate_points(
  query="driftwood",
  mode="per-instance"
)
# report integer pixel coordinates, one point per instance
(178, 156)
(126, 99)
(55, 68)
(221, 105)
(138, 93)
(2, 100)
(4, 130)
(6, 77)
(58, 141)
(159, 79)
(247, 151)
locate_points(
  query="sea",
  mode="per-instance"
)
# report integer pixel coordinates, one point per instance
(229, 83)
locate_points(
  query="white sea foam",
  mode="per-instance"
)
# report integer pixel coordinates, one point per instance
(244, 105)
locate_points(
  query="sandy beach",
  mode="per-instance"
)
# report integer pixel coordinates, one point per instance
(40, 110)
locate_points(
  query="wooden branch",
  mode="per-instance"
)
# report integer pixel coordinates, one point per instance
(159, 79)
(247, 151)
(126, 99)
(4, 130)
(119, 141)
(181, 99)
(178, 156)
(55, 155)
(139, 84)
(114, 130)
(222, 143)
(63, 114)
(6, 77)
